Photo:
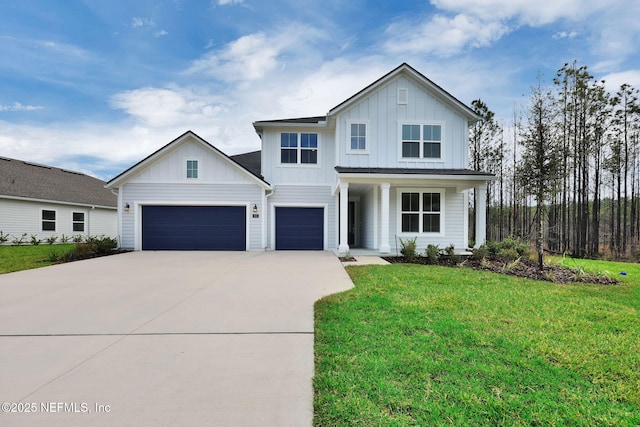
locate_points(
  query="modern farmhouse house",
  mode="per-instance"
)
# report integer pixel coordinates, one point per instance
(387, 163)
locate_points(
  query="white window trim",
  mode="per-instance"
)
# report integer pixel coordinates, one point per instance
(420, 190)
(367, 141)
(440, 159)
(299, 148)
(84, 221)
(55, 221)
(184, 169)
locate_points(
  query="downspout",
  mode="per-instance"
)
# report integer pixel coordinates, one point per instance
(265, 223)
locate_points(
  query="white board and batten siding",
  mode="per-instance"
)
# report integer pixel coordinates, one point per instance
(384, 116)
(276, 173)
(25, 216)
(318, 196)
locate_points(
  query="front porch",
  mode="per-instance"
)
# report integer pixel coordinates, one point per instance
(378, 209)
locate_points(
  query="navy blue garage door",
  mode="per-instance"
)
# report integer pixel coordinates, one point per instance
(207, 228)
(300, 229)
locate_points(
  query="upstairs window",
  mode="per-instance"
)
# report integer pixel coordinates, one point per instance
(421, 141)
(299, 148)
(358, 136)
(48, 220)
(192, 169)
(78, 221)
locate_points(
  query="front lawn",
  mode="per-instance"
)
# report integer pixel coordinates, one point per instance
(16, 258)
(417, 345)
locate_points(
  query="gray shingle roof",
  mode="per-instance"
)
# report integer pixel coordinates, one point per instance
(33, 181)
(250, 161)
(300, 120)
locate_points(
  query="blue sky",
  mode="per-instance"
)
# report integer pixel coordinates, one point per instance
(97, 85)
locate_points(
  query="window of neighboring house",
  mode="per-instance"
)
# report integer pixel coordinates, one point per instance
(192, 169)
(48, 220)
(358, 136)
(299, 148)
(421, 141)
(78, 221)
(421, 212)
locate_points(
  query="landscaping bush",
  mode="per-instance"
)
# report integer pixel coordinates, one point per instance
(450, 252)
(408, 249)
(509, 249)
(480, 253)
(432, 253)
(104, 245)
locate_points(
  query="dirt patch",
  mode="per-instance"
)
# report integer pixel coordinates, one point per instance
(522, 267)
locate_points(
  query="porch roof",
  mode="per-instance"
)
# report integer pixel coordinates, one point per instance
(467, 173)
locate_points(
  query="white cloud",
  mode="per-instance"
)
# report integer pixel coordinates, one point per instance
(613, 81)
(16, 106)
(228, 2)
(137, 22)
(167, 107)
(443, 36)
(564, 35)
(160, 33)
(528, 12)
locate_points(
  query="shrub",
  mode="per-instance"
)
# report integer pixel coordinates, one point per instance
(77, 238)
(508, 255)
(432, 253)
(51, 240)
(104, 245)
(3, 237)
(480, 253)
(81, 251)
(408, 249)
(19, 241)
(450, 251)
(34, 240)
(65, 239)
(507, 248)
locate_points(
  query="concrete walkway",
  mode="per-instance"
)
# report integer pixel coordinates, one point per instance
(164, 338)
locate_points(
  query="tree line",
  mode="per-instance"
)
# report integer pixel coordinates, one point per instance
(567, 167)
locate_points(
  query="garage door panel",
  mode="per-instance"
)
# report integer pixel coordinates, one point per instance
(299, 228)
(194, 228)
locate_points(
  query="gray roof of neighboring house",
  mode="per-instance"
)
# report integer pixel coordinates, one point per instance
(250, 161)
(408, 171)
(27, 180)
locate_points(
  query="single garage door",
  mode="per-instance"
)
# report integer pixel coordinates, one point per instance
(299, 228)
(207, 228)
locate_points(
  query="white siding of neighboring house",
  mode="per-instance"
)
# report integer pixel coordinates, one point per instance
(23, 216)
(139, 194)
(275, 173)
(384, 116)
(304, 196)
(454, 223)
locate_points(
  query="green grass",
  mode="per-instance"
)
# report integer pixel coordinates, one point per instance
(426, 346)
(17, 258)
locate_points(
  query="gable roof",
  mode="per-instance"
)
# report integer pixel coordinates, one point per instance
(115, 181)
(25, 180)
(405, 68)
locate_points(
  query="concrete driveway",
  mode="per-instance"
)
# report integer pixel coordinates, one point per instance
(164, 338)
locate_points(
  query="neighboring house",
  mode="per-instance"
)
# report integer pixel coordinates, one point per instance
(387, 163)
(44, 201)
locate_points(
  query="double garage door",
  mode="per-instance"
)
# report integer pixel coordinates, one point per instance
(206, 228)
(224, 228)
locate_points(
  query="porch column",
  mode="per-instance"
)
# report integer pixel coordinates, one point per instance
(344, 218)
(481, 214)
(384, 218)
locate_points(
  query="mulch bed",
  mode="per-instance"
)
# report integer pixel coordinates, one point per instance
(524, 267)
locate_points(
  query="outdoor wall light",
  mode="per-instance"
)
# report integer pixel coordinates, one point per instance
(254, 211)
(127, 207)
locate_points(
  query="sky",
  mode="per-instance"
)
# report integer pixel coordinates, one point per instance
(95, 86)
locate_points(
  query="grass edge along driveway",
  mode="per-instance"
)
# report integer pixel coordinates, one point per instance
(426, 345)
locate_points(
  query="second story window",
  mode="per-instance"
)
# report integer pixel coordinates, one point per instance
(421, 141)
(358, 136)
(298, 148)
(192, 169)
